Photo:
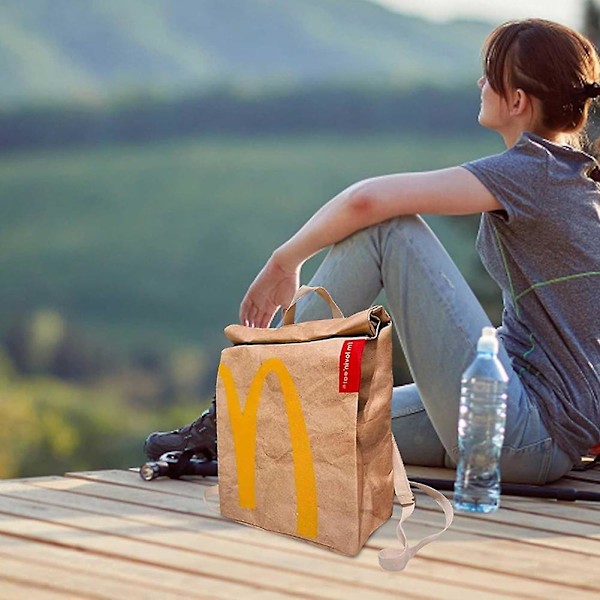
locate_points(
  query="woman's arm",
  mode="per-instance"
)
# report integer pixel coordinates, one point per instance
(453, 191)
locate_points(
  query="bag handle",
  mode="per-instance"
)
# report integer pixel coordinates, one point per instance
(290, 313)
(395, 559)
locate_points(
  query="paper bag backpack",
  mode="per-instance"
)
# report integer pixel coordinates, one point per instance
(303, 430)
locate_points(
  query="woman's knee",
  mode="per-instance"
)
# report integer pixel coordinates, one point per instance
(407, 225)
(413, 225)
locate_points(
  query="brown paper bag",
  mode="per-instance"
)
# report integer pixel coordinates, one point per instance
(303, 428)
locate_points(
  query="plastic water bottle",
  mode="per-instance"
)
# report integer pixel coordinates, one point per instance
(481, 424)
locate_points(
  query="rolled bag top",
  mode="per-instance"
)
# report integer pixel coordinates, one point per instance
(366, 323)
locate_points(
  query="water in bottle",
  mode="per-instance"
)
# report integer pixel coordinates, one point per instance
(481, 423)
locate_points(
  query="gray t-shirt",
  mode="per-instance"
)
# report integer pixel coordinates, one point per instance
(543, 250)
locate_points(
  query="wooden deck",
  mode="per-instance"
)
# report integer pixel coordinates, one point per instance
(108, 534)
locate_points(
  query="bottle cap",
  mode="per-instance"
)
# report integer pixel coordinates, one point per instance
(488, 342)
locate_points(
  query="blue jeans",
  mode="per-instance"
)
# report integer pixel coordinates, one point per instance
(438, 320)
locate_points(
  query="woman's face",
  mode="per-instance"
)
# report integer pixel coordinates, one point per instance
(493, 112)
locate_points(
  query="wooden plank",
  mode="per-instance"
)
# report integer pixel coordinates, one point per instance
(16, 590)
(219, 578)
(578, 511)
(590, 475)
(425, 529)
(131, 479)
(574, 480)
(270, 571)
(376, 581)
(551, 515)
(510, 557)
(575, 511)
(465, 576)
(584, 528)
(536, 530)
(462, 549)
(566, 510)
(162, 581)
(189, 487)
(67, 580)
(176, 483)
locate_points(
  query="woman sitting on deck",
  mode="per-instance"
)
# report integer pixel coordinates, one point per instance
(539, 238)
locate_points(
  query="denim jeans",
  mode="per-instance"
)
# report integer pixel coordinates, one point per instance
(438, 320)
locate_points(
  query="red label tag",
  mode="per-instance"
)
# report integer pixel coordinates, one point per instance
(350, 359)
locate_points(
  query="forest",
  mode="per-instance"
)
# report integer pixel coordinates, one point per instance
(133, 218)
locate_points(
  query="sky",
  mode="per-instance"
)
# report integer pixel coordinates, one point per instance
(568, 12)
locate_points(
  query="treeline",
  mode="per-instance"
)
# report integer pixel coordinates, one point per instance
(70, 402)
(51, 425)
(341, 110)
(44, 343)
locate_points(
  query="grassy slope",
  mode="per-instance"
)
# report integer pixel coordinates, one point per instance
(157, 244)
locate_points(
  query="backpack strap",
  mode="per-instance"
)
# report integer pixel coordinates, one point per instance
(395, 559)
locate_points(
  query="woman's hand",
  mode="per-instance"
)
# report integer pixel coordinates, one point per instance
(272, 288)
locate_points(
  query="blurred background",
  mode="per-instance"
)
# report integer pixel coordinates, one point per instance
(152, 155)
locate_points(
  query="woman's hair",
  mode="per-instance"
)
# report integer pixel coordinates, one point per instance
(553, 63)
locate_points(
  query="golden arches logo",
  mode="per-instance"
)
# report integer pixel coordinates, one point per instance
(243, 426)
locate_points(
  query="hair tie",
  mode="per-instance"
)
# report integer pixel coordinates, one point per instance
(591, 90)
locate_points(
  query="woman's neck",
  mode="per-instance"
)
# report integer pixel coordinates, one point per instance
(556, 137)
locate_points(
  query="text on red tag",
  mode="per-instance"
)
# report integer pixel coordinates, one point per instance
(350, 359)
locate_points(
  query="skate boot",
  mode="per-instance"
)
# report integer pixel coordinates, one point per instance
(200, 436)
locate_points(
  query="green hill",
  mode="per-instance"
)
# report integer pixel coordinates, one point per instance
(86, 49)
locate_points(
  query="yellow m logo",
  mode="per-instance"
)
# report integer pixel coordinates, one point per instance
(243, 426)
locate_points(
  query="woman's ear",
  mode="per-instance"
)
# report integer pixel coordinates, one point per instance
(519, 103)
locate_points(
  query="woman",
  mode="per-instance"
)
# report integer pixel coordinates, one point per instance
(539, 238)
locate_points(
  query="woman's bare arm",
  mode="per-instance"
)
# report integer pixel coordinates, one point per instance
(453, 191)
